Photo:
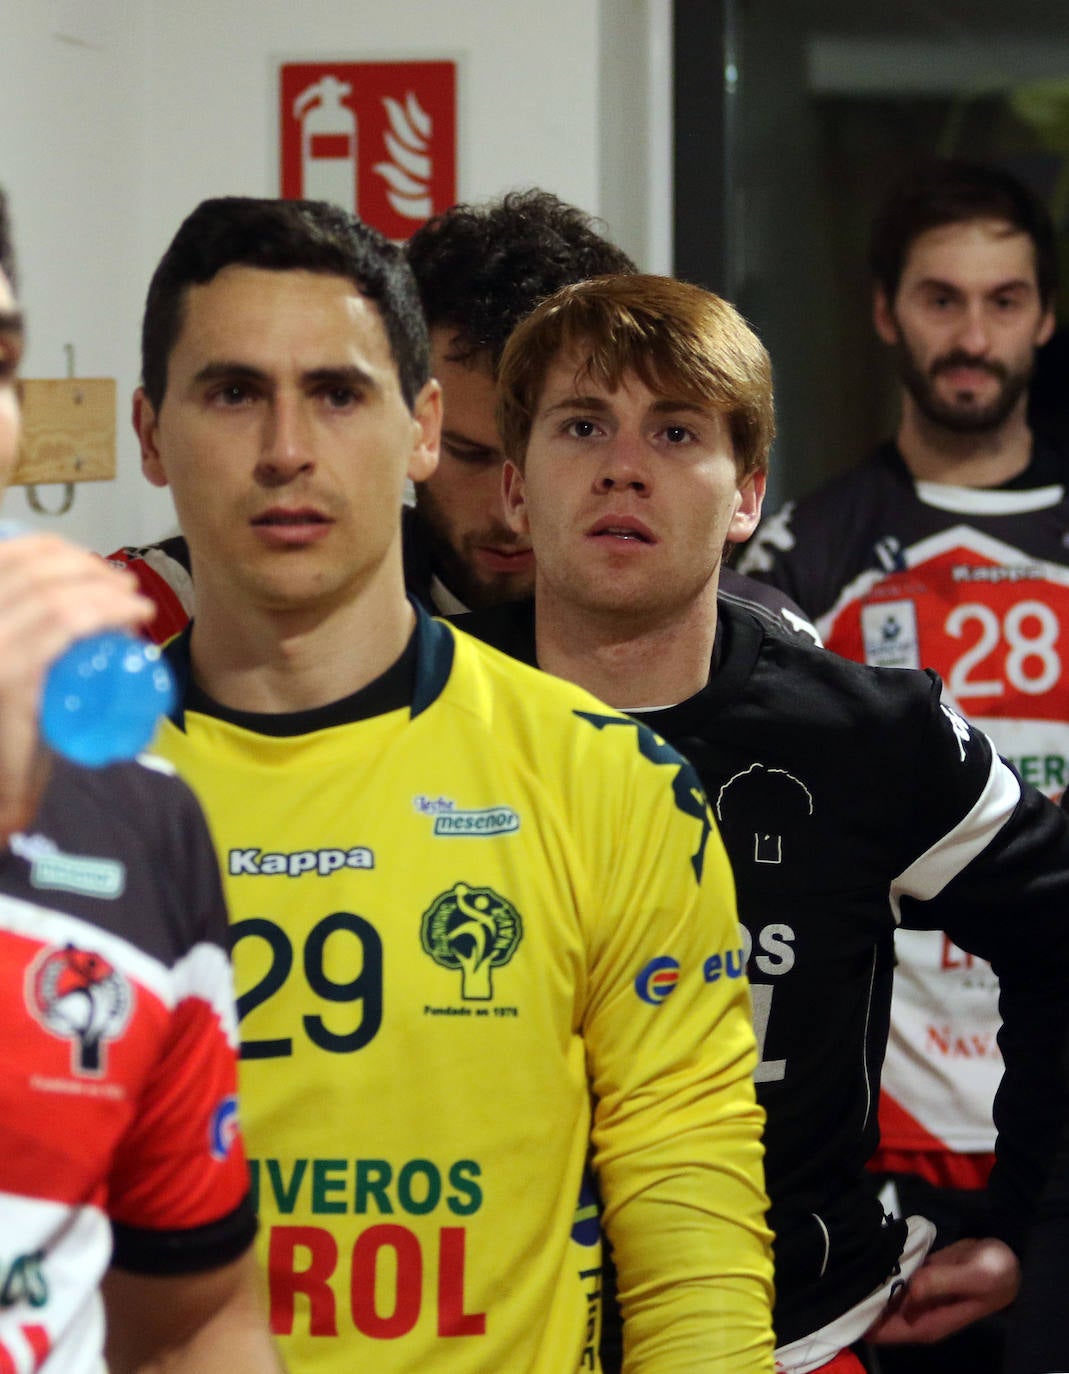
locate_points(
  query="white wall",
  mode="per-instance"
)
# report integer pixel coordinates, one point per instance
(70, 155)
(118, 118)
(635, 138)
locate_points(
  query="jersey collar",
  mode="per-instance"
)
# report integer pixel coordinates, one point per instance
(417, 679)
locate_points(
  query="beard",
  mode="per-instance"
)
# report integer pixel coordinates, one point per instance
(454, 567)
(963, 414)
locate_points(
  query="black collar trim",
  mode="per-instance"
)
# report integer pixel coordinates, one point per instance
(416, 679)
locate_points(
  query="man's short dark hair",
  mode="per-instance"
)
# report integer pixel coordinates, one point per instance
(7, 248)
(949, 191)
(481, 269)
(283, 236)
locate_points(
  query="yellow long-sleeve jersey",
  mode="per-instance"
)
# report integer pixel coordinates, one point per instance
(488, 961)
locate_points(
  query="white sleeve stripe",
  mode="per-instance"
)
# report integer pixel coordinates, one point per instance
(157, 764)
(930, 873)
(47, 926)
(205, 973)
(202, 972)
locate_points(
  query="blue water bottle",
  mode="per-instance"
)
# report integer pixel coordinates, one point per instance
(103, 697)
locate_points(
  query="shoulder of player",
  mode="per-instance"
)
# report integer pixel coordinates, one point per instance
(144, 800)
(148, 779)
(858, 489)
(810, 545)
(163, 575)
(509, 683)
(134, 835)
(766, 603)
(551, 718)
(168, 561)
(804, 685)
(884, 752)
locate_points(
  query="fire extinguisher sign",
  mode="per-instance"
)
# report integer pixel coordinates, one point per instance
(378, 138)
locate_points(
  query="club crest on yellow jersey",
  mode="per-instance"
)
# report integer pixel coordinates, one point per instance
(472, 930)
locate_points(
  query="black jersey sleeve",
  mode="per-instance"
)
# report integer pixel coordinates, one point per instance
(771, 557)
(997, 881)
(185, 1251)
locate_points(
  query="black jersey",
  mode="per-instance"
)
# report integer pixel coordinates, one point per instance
(871, 518)
(850, 799)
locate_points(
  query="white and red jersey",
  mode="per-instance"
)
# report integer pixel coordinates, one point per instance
(973, 583)
(118, 1113)
(162, 572)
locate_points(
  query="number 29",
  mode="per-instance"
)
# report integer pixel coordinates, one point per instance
(365, 988)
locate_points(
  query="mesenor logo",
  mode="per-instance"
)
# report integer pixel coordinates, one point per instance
(657, 979)
(491, 820)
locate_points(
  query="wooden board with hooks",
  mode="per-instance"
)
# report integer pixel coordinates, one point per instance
(68, 431)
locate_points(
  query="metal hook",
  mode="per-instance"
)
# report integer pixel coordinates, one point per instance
(66, 501)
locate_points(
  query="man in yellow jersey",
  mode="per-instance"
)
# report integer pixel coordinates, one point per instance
(485, 939)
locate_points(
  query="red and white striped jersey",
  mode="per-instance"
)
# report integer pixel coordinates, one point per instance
(118, 1113)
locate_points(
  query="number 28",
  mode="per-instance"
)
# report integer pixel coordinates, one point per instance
(1024, 649)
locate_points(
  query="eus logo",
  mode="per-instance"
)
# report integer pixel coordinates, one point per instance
(77, 995)
(473, 930)
(657, 979)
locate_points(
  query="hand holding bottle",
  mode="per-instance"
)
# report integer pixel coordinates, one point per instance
(52, 594)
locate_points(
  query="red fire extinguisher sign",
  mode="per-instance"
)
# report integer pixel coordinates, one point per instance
(377, 138)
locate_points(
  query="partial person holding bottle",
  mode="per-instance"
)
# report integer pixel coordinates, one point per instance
(103, 697)
(121, 1163)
